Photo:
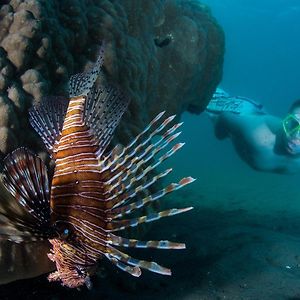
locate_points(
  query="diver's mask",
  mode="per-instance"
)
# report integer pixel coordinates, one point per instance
(291, 127)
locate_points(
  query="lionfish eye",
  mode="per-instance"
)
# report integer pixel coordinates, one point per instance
(65, 233)
(79, 271)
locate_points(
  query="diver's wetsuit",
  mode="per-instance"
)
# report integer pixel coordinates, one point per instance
(257, 136)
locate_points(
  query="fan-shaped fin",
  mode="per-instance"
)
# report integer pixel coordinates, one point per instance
(25, 178)
(16, 224)
(47, 119)
(104, 108)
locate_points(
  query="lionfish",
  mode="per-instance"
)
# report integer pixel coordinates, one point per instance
(94, 190)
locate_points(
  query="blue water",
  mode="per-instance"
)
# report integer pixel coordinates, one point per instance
(262, 61)
(260, 210)
(262, 49)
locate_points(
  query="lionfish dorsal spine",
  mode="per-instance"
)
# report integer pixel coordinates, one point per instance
(47, 119)
(48, 116)
(80, 84)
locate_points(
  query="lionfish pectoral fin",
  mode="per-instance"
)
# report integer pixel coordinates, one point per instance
(25, 195)
(134, 271)
(80, 84)
(16, 224)
(132, 243)
(104, 108)
(122, 224)
(127, 261)
(128, 173)
(47, 119)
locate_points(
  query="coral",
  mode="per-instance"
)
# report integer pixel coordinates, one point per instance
(165, 55)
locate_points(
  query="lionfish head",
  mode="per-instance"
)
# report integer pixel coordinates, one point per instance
(70, 272)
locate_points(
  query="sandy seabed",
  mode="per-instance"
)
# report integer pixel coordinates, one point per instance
(243, 242)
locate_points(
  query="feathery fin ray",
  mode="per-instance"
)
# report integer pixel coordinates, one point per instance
(128, 172)
(47, 119)
(103, 110)
(25, 179)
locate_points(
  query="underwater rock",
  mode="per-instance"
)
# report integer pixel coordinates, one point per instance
(165, 55)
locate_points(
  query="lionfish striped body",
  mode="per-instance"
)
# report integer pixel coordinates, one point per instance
(92, 194)
(76, 195)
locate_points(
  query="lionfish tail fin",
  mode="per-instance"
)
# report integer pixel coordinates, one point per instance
(26, 187)
(47, 119)
(80, 84)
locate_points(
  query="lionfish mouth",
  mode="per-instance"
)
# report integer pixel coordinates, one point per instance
(67, 272)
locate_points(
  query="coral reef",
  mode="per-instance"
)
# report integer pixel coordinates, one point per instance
(165, 54)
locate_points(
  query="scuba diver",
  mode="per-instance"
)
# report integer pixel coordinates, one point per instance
(265, 142)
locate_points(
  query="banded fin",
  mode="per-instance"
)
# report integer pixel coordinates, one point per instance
(25, 178)
(134, 271)
(103, 110)
(131, 167)
(80, 84)
(126, 259)
(16, 224)
(127, 173)
(122, 224)
(120, 212)
(132, 243)
(47, 119)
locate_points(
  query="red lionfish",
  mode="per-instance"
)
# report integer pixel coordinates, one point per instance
(91, 192)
